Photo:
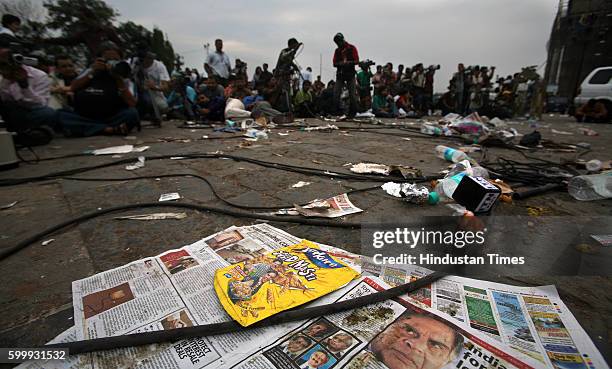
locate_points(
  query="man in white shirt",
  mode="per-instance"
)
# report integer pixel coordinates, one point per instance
(218, 64)
(306, 76)
(155, 84)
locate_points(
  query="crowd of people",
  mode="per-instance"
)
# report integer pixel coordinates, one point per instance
(115, 91)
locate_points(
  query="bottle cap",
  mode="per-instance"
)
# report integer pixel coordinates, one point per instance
(433, 198)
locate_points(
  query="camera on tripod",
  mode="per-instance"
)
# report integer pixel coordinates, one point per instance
(434, 67)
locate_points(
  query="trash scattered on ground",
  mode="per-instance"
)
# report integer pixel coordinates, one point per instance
(9, 205)
(300, 184)
(591, 187)
(603, 239)
(154, 216)
(320, 128)
(333, 207)
(139, 164)
(287, 289)
(561, 132)
(283, 134)
(414, 193)
(588, 132)
(177, 158)
(406, 138)
(386, 170)
(531, 139)
(169, 196)
(46, 242)
(123, 149)
(316, 161)
(256, 134)
(459, 210)
(450, 154)
(583, 145)
(366, 114)
(537, 211)
(593, 165)
(476, 194)
(506, 190)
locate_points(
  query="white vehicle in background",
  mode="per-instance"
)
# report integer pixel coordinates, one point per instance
(597, 85)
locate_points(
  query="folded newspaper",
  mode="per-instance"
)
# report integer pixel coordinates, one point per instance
(453, 323)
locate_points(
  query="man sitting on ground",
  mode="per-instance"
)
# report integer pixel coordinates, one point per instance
(592, 112)
(303, 101)
(65, 73)
(211, 88)
(383, 105)
(104, 99)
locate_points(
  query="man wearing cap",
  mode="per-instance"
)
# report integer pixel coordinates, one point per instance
(345, 59)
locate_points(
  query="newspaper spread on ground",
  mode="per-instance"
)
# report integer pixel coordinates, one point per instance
(333, 207)
(531, 320)
(175, 289)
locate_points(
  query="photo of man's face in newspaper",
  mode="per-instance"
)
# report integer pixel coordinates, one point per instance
(417, 341)
(224, 239)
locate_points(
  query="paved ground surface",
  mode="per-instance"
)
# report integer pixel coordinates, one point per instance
(35, 284)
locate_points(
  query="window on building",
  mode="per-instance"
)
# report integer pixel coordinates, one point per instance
(602, 77)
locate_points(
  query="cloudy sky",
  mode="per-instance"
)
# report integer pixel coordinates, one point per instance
(506, 33)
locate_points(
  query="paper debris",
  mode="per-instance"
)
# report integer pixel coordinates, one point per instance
(46, 242)
(169, 196)
(370, 168)
(320, 128)
(333, 207)
(588, 132)
(123, 149)
(301, 184)
(413, 193)
(283, 134)
(603, 239)
(155, 216)
(561, 132)
(407, 138)
(139, 164)
(9, 205)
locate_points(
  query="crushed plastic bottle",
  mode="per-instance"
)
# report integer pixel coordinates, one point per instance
(591, 187)
(446, 186)
(256, 134)
(450, 154)
(431, 130)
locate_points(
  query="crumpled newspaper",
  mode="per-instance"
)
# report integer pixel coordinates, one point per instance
(372, 168)
(139, 164)
(411, 192)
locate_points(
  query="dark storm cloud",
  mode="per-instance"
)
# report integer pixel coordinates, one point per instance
(506, 33)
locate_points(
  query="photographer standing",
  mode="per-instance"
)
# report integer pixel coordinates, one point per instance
(103, 98)
(285, 69)
(418, 85)
(345, 59)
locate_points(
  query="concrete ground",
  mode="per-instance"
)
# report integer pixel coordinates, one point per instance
(35, 284)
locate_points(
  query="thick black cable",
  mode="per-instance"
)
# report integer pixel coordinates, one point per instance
(173, 335)
(6, 252)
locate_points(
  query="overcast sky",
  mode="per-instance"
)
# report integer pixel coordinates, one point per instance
(506, 33)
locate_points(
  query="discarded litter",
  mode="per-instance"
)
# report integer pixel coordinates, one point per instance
(283, 134)
(123, 149)
(591, 187)
(413, 193)
(297, 274)
(256, 134)
(531, 139)
(588, 132)
(169, 196)
(561, 132)
(333, 207)
(154, 216)
(603, 239)
(300, 184)
(46, 242)
(476, 194)
(450, 154)
(9, 205)
(593, 165)
(386, 170)
(139, 164)
(320, 128)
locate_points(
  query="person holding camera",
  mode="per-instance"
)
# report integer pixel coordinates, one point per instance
(284, 72)
(104, 99)
(24, 94)
(345, 59)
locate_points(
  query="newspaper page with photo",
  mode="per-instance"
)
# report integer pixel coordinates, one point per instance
(333, 207)
(393, 334)
(531, 320)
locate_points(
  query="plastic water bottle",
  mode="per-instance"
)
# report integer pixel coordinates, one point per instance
(591, 187)
(447, 186)
(431, 130)
(450, 154)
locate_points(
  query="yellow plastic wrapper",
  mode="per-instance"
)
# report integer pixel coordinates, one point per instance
(282, 279)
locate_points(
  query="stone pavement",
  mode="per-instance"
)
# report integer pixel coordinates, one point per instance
(35, 284)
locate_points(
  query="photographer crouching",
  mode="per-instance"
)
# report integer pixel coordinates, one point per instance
(104, 101)
(24, 94)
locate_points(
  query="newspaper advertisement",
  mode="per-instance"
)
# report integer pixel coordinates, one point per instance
(394, 334)
(175, 289)
(333, 207)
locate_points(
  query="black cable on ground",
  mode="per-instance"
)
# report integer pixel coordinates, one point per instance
(4, 253)
(173, 335)
(212, 188)
(280, 166)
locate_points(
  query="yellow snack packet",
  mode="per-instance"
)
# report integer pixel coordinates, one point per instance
(255, 289)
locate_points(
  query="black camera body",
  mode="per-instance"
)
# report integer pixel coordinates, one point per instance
(120, 68)
(25, 60)
(434, 67)
(366, 63)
